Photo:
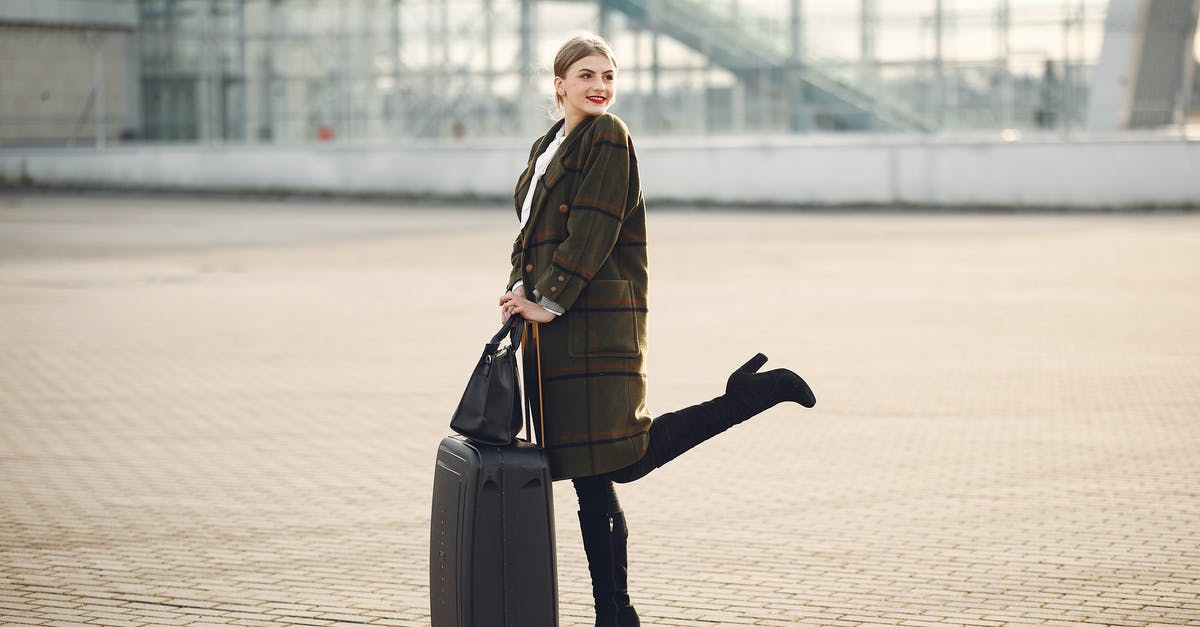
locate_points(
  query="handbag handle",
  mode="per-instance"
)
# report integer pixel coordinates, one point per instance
(514, 328)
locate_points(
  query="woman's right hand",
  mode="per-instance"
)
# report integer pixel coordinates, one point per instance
(518, 291)
(511, 304)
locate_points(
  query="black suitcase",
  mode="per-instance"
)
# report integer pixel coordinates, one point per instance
(491, 545)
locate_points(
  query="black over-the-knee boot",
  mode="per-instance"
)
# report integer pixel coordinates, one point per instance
(626, 615)
(747, 393)
(605, 534)
(598, 546)
(597, 501)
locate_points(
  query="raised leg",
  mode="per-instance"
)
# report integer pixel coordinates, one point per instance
(601, 521)
(747, 394)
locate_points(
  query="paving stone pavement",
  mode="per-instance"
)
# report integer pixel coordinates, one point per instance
(221, 411)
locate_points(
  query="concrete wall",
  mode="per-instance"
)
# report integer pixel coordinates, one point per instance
(1122, 172)
(49, 74)
(53, 54)
(120, 14)
(957, 172)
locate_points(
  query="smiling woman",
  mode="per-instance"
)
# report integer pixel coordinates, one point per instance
(583, 87)
(579, 271)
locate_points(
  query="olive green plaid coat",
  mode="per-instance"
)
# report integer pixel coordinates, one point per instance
(584, 247)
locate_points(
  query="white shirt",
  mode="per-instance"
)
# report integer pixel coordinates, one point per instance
(539, 169)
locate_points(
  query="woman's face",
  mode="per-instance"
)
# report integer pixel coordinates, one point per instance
(588, 88)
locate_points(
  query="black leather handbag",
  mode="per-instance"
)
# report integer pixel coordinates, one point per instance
(490, 409)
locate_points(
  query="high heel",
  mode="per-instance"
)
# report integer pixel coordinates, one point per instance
(759, 391)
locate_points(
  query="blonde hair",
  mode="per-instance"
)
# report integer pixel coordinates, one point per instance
(579, 46)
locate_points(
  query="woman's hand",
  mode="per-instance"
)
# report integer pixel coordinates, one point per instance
(514, 303)
(519, 290)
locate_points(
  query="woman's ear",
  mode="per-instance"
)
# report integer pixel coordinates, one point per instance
(558, 89)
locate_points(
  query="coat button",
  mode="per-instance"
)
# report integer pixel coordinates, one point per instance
(561, 278)
(562, 208)
(529, 268)
(553, 288)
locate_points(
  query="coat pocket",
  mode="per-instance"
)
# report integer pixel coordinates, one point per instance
(605, 322)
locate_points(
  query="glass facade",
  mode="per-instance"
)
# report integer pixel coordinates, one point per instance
(387, 70)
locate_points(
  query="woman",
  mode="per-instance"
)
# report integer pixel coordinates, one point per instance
(579, 269)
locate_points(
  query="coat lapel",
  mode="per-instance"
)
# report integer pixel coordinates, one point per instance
(522, 189)
(554, 171)
(526, 179)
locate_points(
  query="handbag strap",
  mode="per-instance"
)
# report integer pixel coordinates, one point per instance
(514, 328)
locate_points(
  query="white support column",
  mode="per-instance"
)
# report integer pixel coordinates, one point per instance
(1004, 97)
(100, 111)
(868, 21)
(1114, 74)
(939, 68)
(527, 94)
(1066, 100)
(800, 115)
(244, 69)
(1187, 65)
(134, 117)
(656, 107)
(1142, 74)
(204, 83)
(282, 120)
(604, 18)
(392, 117)
(487, 124)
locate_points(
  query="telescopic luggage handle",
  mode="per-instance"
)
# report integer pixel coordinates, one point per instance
(537, 353)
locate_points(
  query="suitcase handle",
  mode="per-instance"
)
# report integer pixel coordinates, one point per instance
(537, 349)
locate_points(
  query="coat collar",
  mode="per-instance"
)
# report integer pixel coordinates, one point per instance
(573, 138)
(554, 170)
(569, 142)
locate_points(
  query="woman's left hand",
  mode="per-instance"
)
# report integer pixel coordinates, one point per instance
(511, 304)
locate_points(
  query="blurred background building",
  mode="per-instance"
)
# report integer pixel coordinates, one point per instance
(297, 70)
(355, 72)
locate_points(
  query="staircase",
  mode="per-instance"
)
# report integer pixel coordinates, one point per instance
(760, 61)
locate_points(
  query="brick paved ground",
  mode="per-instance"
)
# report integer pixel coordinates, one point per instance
(226, 412)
